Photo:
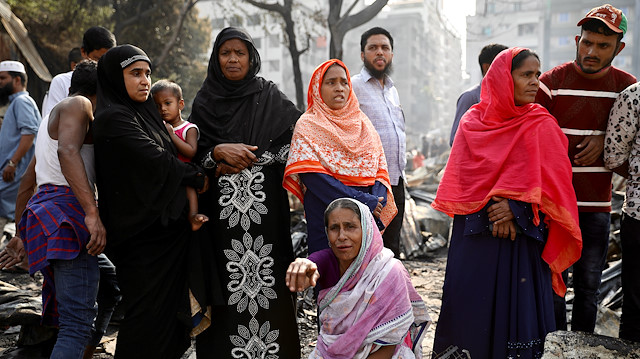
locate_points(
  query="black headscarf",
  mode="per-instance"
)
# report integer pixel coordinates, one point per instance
(139, 176)
(251, 111)
(111, 88)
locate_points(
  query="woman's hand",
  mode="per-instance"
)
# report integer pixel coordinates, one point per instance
(169, 128)
(378, 211)
(499, 212)
(384, 352)
(505, 230)
(237, 155)
(225, 169)
(302, 274)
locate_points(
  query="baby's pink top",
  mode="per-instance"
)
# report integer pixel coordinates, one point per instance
(181, 132)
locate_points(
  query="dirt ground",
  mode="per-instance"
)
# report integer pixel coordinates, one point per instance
(427, 274)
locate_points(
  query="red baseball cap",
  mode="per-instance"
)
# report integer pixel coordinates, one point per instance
(609, 15)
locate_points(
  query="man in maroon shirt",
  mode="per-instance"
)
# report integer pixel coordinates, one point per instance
(580, 95)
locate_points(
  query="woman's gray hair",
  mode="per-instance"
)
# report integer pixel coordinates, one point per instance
(341, 203)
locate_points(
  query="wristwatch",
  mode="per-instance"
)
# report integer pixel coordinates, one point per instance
(11, 163)
(208, 162)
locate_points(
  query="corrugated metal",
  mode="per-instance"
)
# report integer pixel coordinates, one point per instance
(20, 36)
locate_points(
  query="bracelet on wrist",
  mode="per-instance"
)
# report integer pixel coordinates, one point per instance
(208, 162)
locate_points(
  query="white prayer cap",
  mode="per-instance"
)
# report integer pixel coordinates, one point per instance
(14, 66)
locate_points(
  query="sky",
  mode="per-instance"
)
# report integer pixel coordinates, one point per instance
(457, 10)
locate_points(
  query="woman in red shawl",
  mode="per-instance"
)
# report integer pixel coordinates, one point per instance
(336, 152)
(508, 186)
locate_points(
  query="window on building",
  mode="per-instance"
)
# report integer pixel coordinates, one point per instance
(236, 20)
(564, 40)
(257, 41)
(527, 29)
(621, 61)
(491, 8)
(517, 6)
(253, 20)
(274, 41)
(563, 17)
(486, 30)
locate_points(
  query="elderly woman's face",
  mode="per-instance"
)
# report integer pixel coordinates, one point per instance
(334, 89)
(234, 59)
(525, 81)
(137, 80)
(345, 235)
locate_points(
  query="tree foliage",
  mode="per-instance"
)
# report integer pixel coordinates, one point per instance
(152, 26)
(56, 26)
(298, 34)
(180, 45)
(340, 22)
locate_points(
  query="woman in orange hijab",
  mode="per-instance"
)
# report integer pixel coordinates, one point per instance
(508, 185)
(336, 152)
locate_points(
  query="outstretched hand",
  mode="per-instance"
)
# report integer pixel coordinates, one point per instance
(302, 274)
(13, 254)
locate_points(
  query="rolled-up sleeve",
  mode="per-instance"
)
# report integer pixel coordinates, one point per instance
(27, 115)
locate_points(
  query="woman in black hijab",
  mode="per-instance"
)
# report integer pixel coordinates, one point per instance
(246, 125)
(143, 206)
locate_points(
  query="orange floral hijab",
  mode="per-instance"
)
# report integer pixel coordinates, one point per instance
(341, 143)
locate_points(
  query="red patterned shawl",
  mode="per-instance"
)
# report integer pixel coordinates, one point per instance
(516, 152)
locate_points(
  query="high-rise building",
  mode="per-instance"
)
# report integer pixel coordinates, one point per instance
(547, 27)
(427, 66)
(269, 39)
(506, 22)
(560, 18)
(427, 63)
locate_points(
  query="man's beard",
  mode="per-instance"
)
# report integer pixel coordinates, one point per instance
(378, 74)
(586, 71)
(5, 92)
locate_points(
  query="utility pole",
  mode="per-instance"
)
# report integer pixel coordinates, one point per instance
(546, 30)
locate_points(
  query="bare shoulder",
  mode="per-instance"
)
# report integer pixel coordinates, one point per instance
(75, 102)
(71, 110)
(74, 106)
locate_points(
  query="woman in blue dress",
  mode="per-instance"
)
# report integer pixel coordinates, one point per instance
(508, 186)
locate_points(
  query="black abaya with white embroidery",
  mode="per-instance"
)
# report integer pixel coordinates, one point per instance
(253, 311)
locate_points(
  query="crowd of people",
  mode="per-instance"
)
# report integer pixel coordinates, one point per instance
(185, 223)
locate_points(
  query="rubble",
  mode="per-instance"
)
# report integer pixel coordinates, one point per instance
(424, 241)
(18, 306)
(578, 345)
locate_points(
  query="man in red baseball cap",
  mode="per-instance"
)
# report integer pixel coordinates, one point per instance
(610, 16)
(580, 94)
